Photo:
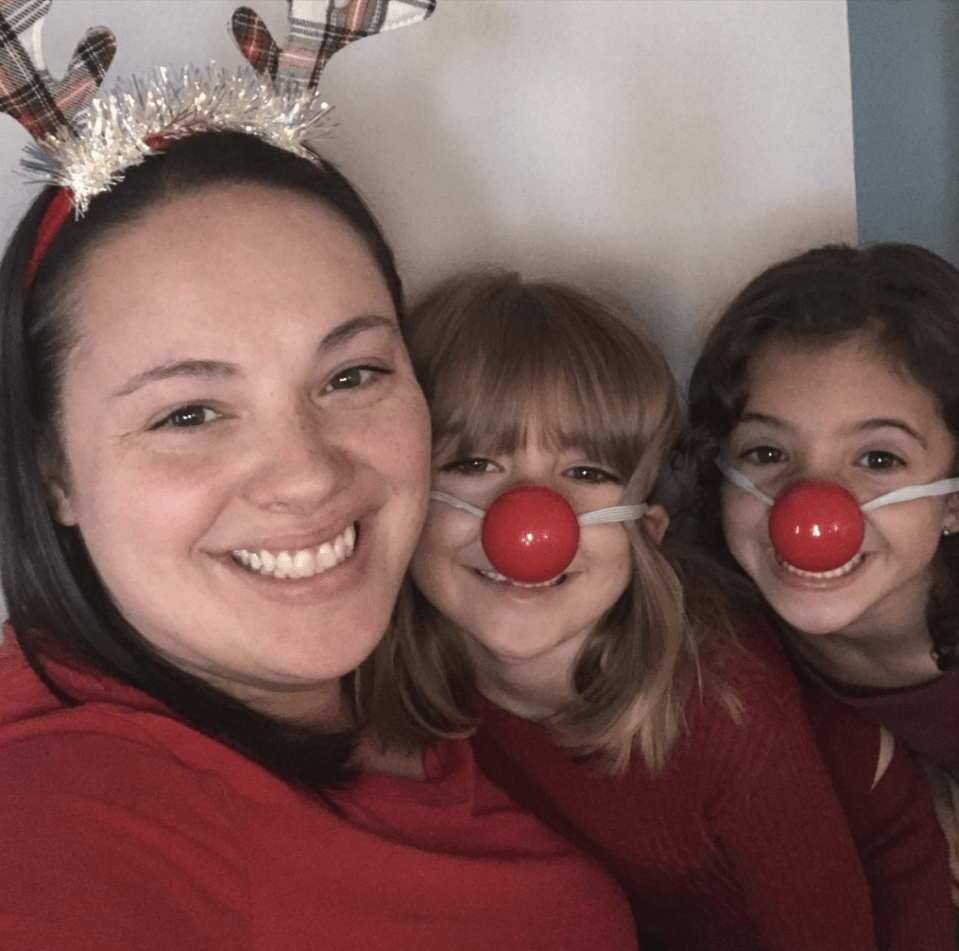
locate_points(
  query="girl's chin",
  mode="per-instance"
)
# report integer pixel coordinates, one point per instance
(814, 616)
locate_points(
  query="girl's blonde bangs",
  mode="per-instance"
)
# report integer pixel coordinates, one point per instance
(541, 370)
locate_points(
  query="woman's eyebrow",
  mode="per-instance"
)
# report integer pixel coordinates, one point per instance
(207, 369)
(342, 334)
(210, 369)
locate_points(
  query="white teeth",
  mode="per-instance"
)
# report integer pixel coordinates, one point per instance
(303, 563)
(325, 556)
(825, 575)
(284, 565)
(496, 576)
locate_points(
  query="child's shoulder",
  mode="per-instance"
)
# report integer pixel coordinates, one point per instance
(753, 667)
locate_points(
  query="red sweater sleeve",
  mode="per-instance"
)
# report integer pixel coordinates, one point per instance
(779, 823)
(894, 826)
(887, 808)
(121, 828)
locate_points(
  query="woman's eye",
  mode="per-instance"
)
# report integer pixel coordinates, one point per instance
(188, 417)
(591, 474)
(473, 466)
(763, 455)
(880, 459)
(351, 378)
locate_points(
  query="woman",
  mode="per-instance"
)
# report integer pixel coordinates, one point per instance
(215, 469)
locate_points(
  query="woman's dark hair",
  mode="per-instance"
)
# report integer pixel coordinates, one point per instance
(903, 298)
(55, 597)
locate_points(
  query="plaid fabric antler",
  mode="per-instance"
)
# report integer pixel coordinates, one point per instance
(318, 29)
(27, 90)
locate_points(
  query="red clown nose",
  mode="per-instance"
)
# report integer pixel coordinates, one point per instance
(530, 533)
(816, 526)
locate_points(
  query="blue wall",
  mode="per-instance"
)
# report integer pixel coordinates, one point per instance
(905, 92)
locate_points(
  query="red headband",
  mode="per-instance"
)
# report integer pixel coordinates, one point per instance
(50, 224)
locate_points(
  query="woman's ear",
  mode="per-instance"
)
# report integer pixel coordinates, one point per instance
(657, 521)
(55, 483)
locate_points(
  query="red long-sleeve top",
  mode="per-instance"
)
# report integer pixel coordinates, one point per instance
(124, 829)
(740, 843)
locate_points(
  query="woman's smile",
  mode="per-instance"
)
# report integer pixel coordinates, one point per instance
(246, 446)
(298, 563)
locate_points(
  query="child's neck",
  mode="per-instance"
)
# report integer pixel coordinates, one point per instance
(533, 688)
(884, 661)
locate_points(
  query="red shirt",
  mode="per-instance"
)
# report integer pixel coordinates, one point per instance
(925, 718)
(740, 843)
(123, 829)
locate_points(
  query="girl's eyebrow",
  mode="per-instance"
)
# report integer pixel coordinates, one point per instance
(881, 423)
(754, 417)
(865, 426)
(211, 369)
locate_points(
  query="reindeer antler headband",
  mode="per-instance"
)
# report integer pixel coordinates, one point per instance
(84, 142)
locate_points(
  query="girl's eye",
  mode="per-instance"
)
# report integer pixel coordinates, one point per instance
(351, 378)
(879, 460)
(473, 466)
(764, 455)
(591, 474)
(188, 417)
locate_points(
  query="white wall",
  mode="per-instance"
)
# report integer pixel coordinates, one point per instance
(660, 150)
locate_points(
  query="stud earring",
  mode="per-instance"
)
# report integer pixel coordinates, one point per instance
(946, 532)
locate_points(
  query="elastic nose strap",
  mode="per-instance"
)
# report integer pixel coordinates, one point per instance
(457, 504)
(740, 481)
(905, 494)
(615, 513)
(910, 492)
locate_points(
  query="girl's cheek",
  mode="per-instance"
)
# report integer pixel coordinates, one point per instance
(448, 529)
(744, 518)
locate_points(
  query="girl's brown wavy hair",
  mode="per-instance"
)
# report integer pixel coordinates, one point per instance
(904, 299)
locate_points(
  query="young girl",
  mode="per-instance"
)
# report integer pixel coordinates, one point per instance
(687, 767)
(841, 365)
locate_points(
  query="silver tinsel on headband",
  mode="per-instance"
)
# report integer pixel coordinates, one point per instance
(166, 107)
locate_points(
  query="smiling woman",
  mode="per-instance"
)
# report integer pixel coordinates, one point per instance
(270, 408)
(207, 397)
(216, 467)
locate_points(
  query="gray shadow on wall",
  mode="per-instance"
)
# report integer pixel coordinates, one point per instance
(905, 88)
(951, 63)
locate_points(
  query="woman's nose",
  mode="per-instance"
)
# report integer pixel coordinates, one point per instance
(300, 462)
